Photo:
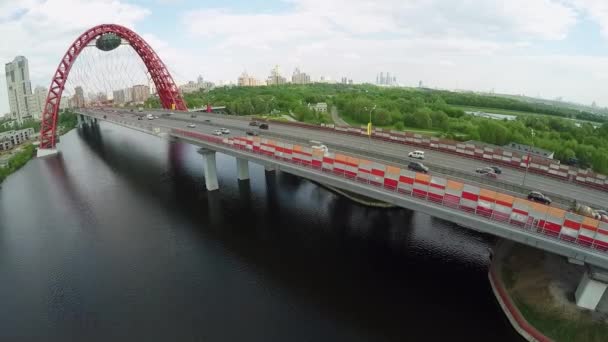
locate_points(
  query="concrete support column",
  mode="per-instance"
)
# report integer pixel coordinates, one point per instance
(210, 169)
(591, 289)
(242, 167)
(79, 117)
(269, 168)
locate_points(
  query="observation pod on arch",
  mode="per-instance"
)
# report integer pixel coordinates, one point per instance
(167, 90)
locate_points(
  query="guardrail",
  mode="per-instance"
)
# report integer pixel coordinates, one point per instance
(534, 225)
(502, 185)
(540, 227)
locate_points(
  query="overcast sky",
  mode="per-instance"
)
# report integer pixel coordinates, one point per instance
(546, 48)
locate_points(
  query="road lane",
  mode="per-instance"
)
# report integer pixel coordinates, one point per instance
(392, 150)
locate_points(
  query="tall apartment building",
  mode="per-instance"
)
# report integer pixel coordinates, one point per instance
(22, 103)
(40, 94)
(275, 77)
(140, 93)
(118, 96)
(77, 100)
(299, 77)
(246, 80)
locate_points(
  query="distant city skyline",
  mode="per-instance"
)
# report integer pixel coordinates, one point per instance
(478, 45)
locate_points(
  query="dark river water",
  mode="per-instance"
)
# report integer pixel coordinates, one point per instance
(118, 240)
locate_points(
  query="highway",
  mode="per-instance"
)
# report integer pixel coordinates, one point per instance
(395, 153)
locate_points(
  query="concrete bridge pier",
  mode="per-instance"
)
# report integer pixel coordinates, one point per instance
(591, 288)
(242, 167)
(210, 169)
(80, 119)
(269, 168)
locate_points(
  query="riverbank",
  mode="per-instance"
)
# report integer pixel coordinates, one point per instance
(539, 289)
(20, 157)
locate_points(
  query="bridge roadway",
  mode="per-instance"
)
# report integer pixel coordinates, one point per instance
(448, 165)
(167, 128)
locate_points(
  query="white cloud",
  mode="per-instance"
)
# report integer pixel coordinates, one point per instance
(43, 30)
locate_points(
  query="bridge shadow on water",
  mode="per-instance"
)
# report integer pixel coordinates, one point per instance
(357, 265)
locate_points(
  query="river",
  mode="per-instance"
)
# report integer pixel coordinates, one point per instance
(117, 239)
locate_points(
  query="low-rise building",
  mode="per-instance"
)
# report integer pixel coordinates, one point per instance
(10, 139)
(319, 107)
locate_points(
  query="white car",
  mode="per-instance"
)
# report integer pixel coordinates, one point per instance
(217, 132)
(225, 130)
(416, 154)
(191, 125)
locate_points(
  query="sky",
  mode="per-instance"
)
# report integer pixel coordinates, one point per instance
(542, 48)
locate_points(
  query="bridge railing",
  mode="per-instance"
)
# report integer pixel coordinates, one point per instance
(466, 176)
(519, 213)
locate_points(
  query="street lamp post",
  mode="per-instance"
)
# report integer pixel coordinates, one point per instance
(523, 182)
(369, 133)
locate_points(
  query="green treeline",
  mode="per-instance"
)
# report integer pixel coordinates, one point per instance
(17, 161)
(67, 120)
(400, 108)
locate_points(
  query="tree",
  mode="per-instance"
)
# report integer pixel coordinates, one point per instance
(440, 120)
(422, 118)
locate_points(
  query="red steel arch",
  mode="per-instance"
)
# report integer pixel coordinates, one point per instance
(166, 88)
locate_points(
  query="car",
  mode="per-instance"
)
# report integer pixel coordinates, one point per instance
(191, 125)
(251, 132)
(416, 154)
(225, 130)
(486, 171)
(192, 115)
(263, 126)
(254, 123)
(207, 120)
(139, 118)
(418, 167)
(496, 169)
(217, 132)
(601, 212)
(537, 196)
(483, 170)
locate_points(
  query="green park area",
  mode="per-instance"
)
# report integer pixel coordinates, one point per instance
(16, 160)
(19, 156)
(426, 111)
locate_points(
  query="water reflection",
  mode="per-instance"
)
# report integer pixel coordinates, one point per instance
(134, 248)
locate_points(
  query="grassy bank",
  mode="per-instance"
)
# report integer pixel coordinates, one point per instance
(17, 161)
(527, 281)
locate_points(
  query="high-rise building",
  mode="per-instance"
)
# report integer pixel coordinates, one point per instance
(140, 93)
(386, 79)
(40, 93)
(118, 96)
(246, 80)
(128, 94)
(299, 77)
(200, 80)
(275, 77)
(19, 90)
(78, 98)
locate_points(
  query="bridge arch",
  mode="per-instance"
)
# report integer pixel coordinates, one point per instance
(167, 90)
